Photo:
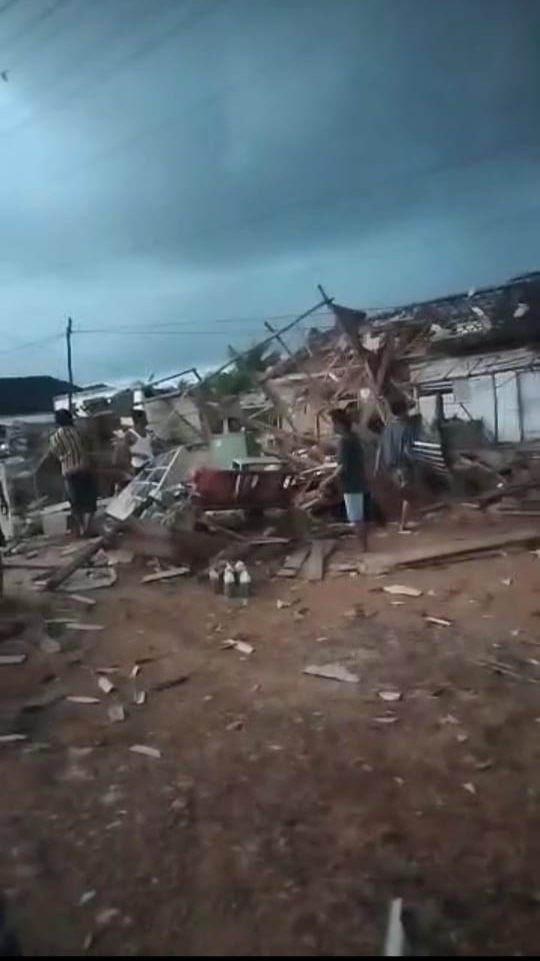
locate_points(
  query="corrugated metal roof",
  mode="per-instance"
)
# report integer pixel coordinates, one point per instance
(439, 369)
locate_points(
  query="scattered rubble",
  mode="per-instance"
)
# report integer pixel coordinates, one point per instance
(402, 590)
(334, 672)
(145, 750)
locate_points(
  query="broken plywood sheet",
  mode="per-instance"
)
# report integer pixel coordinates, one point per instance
(447, 551)
(313, 569)
(333, 672)
(165, 575)
(293, 562)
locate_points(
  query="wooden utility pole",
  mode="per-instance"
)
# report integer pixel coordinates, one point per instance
(69, 331)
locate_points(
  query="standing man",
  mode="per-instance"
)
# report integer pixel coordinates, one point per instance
(139, 440)
(67, 446)
(395, 456)
(351, 473)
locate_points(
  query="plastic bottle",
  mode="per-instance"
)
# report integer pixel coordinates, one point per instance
(229, 581)
(244, 581)
(214, 578)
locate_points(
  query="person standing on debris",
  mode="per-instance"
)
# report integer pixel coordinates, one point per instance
(350, 472)
(139, 439)
(67, 446)
(395, 456)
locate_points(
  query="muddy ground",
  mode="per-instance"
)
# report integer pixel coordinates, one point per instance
(285, 810)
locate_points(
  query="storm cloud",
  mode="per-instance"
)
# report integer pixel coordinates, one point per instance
(169, 164)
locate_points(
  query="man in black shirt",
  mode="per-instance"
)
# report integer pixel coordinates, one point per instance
(350, 472)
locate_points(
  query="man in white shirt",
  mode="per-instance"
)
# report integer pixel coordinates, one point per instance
(139, 439)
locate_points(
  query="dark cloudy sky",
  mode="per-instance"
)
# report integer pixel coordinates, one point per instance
(167, 164)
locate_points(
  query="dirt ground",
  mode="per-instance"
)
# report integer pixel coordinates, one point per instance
(286, 810)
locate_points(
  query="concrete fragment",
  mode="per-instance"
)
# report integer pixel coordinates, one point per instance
(333, 672)
(86, 898)
(49, 645)
(105, 685)
(116, 713)
(402, 589)
(82, 699)
(145, 750)
(6, 660)
(78, 626)
(244, 648)
(85, 601)
(105, 916)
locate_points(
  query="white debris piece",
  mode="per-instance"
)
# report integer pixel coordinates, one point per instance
(144, 749)
(333, 672)
(506, 581)
(470, 787)
(135, 670)
(244, 648)
(77, 626)
(86, 898)
(390, 695)
(386, 719)
(403, 589)
(12, 738)
(85, 601)
(82, 699)
(105, 685)
(49, 645)
(107, 915)
(116, 713)
(8, 659)
(139, 698)
(439, 621)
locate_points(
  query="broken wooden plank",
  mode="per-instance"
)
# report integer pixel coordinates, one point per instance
(85, 601)
(293, 562)
(447, 551)
(313, 569)
(6, 660)
(332, 672)
(165, 575)
(81, 558)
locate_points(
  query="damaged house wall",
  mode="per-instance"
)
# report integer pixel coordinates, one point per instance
(502, 389)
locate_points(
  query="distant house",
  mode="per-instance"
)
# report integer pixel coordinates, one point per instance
(29, 399)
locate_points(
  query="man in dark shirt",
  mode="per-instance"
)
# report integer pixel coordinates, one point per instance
(395, 457)
(350, 472)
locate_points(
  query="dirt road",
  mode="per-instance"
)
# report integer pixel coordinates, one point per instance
(285, 810)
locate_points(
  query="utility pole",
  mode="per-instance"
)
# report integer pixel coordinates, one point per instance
(69, 331)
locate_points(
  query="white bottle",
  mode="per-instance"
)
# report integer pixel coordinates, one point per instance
(213, 577)
(229, 582)
(244, 582)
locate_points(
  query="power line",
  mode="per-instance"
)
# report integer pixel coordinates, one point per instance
(32, 343)
(178, 325)
(34, 21)
(163, 37)
(38, 44)
(150, 131)
(151, 331)
(5, 6)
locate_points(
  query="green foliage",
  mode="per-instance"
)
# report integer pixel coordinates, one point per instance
(242, 376)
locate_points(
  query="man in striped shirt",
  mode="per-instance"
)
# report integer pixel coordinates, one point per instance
(67, 446)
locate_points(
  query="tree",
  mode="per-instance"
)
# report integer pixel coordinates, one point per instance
(243, 374)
